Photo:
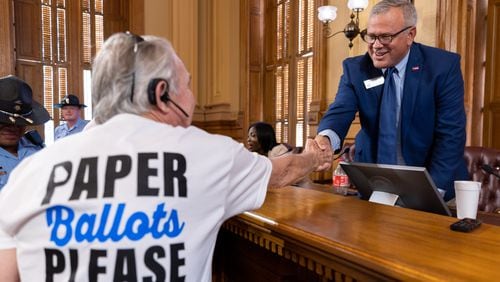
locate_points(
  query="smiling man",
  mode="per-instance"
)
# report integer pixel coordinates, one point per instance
(410, 99)
(17, 110)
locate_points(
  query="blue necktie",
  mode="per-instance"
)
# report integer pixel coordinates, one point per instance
(387, 138)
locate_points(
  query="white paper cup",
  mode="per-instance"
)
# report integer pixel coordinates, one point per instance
(467, 198)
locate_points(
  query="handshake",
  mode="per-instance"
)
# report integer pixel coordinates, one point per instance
(322, 152)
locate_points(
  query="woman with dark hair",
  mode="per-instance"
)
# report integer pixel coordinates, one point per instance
(261, 138)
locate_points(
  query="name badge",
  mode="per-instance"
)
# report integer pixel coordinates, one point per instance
(370, 83)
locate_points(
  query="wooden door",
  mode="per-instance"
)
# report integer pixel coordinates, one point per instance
(491, 132)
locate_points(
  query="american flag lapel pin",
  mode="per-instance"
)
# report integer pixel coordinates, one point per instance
(415, 68)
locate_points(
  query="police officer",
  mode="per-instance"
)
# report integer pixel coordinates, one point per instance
(17, 110)
(70, 110)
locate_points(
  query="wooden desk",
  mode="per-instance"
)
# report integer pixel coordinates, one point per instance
(344, 238)
(486, 217)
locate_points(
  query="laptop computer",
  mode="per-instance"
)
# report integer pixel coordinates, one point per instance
(413, 185)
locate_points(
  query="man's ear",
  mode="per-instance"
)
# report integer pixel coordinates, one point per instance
(160, 90)
(412, 34)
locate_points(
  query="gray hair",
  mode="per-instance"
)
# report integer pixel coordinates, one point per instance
(123, 62)
(409, 12)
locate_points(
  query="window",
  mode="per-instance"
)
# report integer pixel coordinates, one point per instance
(293, 70)
(54, 56)
(56, 66)
(92, 38)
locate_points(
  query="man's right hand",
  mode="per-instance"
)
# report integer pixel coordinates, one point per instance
(324, 145)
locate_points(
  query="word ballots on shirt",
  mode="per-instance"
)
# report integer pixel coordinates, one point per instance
(109, 225)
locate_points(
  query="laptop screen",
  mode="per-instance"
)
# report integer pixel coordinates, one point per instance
(413, 185)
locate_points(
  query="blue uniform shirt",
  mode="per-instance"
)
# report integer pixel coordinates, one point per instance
(8, 161)
(62, 130)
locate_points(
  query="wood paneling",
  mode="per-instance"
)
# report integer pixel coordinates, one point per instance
(220, 119)
(28, 37)
(256, 61)
(231, 265)
(116, 14)
(123, 15)
(6, 38)
(183, 34)
(28, 47)
(492, 89)
(456, 23)
(136, 16)
(31, 73)
(268, 61)
(478, 69)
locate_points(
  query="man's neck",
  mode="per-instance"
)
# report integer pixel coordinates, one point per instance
(11, 149)
(71, 123)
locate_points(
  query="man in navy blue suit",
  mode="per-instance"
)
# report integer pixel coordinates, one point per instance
(428, 113)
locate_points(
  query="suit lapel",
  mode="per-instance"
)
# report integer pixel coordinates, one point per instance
(413, 76)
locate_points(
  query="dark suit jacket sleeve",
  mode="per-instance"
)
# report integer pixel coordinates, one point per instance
(449, 133)
(342, 111)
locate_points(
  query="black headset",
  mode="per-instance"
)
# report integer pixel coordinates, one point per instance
(165, 97)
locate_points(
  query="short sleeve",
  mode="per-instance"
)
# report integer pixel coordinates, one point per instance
(248, 181)
(6, 241)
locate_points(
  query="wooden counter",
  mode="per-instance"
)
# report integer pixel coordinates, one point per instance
(344, 238)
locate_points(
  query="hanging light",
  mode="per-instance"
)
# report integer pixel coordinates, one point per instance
(327, 14)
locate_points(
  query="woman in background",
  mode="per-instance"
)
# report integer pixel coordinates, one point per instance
(261, 138)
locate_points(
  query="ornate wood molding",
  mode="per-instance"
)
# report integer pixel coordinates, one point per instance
(326, 265)
(220, 119)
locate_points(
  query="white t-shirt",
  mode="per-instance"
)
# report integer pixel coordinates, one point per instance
(131, 199)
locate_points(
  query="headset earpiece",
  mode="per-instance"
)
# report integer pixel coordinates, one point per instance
(165, 96)
(152, 91)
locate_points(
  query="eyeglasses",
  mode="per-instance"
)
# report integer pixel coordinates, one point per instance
(137, 40)
(383, 38)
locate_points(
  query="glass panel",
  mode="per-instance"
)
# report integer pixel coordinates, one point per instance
(285, 132)
(61, 3)
(301, 24)
(46, 33)
(287, 26)
(86, 39)
(299, 131)
(61, 35)
(85, 5)
(48, 89)
(299, 127)
(63, 82)
(309, 94)
(87, 94)
(279, 132)
(310, 24)
(286, 88)
(99, 32)
(279, 94)
(279, 33)
(48, 128)
(300, 90)
(99, 8)
(47, 2)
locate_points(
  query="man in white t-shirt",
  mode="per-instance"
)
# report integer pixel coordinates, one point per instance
(141, 195)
